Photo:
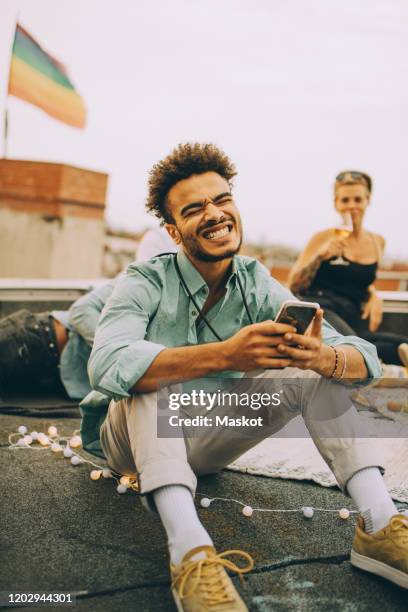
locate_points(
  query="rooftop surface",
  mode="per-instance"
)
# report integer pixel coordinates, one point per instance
(63, 532)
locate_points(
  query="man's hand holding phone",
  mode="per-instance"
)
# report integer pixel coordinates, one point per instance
(277, 344)
(256, 346)
(305, 351)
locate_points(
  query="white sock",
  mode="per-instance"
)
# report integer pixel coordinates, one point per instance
(177, 511)
(368, 491)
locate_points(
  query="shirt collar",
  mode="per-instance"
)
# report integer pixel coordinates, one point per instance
(191, 275)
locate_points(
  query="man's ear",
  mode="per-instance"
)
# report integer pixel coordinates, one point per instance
(173, 232)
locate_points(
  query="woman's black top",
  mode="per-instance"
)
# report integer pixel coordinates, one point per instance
(350, 281)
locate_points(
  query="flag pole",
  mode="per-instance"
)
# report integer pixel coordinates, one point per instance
(6, 128)
(6, 117)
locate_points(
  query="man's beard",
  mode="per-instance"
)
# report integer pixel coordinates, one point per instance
(192, 247)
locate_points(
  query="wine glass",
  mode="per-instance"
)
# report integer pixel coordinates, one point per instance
(342, 231)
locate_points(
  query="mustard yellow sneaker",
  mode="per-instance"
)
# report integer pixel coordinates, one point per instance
(385, 552)
(203, 585)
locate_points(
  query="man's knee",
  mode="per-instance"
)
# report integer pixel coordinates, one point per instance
(288, 373)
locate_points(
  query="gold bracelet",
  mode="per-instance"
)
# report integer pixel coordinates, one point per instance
(344, 363)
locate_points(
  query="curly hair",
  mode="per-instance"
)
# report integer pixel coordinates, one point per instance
(184, 161)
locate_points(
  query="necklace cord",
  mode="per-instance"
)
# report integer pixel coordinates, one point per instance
(202, 315)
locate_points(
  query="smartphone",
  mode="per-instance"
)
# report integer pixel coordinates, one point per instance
(296, 313)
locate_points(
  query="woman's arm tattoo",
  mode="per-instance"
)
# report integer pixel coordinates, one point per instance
(304, 277)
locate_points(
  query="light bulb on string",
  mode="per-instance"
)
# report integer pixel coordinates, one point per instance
(43, 439)
(75, 442)
(125, 482)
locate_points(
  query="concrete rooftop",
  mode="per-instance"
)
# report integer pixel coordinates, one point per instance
(62, 531)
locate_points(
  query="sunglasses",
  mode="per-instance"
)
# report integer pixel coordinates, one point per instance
(354, 176)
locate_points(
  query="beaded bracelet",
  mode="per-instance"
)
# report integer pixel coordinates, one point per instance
(336, 362)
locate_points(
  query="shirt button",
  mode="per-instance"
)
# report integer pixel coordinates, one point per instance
(194, 313)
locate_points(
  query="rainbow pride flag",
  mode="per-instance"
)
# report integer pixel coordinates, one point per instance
(40, 79)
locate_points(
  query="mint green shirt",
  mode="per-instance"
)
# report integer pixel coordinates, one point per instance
(149, 310)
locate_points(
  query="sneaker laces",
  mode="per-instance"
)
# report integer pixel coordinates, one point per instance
(208, 575)
(398, 523)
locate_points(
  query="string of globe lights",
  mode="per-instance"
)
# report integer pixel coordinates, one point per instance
(68, 447)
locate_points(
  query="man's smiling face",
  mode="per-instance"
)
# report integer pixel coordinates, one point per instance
(206, 220)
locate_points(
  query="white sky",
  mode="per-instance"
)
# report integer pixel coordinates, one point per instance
(293, 90)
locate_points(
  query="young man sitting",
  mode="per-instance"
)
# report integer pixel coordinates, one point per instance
(207, 312)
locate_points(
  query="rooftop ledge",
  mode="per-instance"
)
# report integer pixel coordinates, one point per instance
(45, 289)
